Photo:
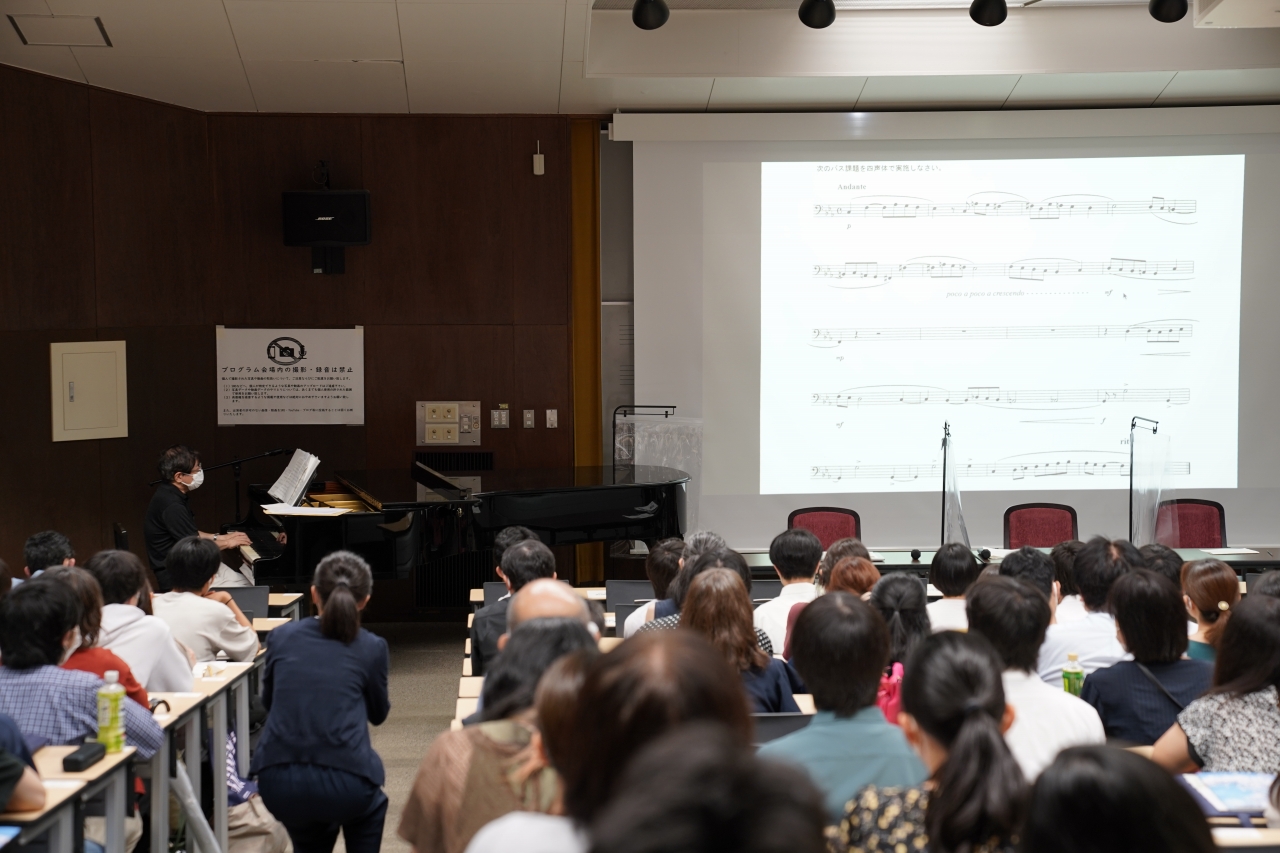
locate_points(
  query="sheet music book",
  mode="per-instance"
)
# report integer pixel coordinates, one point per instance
(290, 509)
(293, 482)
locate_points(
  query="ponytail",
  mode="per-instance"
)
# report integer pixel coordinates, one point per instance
(343, 580)
(1214, 588)
(953, 689)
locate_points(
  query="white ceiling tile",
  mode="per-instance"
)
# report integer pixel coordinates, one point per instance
(330, 30)
(54, 61)
(959, 92)
(576, 21)
(201, 83)
(482, 32)
(693, 43)
(1132, 89)
(159, 27)
(1258, 85)
(785, 93)
(483, 87)
(328, 87)
(581, 94)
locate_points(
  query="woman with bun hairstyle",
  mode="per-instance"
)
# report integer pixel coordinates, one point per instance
(1210, 589)
(954, 715)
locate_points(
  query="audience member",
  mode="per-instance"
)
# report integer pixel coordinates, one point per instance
(697, 790)
(718, 607)
(839, 550)
(89, 656)
(545, 598)
(1092, 639)
(855, 575)
(841, 650)
(1095, 799)
(661, 567)
(1210, 588)
(1267, 584)
(1164, 561)
(648, 686)
(38, 627)
(900, 599)
(954, 715)
(1070, 607)
(42, 550)
(1138, 700)
(325, 682)
(725, 559)
(480, 773)
(1236, 726)
(1013, 616)
(794, 554)
(205, 620)
(954, 569)
(490, 621)
(696, 544)
(159, 662)
(1036, 568)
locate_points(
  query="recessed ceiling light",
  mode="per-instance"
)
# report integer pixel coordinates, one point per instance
(60, 30)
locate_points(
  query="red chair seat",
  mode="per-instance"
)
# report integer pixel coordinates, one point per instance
(1038, 525)
(829, 524)
(1200, 524)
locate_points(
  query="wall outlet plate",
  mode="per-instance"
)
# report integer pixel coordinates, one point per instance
(530, 419)
(448, 422)
(553, 418)
(499, 419)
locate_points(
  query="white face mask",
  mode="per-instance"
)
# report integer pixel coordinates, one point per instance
(197, 479)
(76, 640)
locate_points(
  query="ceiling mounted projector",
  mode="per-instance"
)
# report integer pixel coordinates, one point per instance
(991, 13)
(649, 14)
(1168, 11)
(818, 14)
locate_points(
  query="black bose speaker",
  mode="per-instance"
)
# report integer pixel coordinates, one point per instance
(326, 218)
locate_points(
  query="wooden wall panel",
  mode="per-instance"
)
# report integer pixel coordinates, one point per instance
(539, 229)
(153, 207)
(46, 220)
(543, 355)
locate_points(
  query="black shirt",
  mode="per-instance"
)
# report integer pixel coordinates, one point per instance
(489, 624)
(1135, 710)
(168, 520)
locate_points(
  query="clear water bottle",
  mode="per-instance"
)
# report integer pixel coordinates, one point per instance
(1073, 675)
(111, 712)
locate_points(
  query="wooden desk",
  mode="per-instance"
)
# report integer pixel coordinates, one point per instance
(266, 625)
(290, 603)
(477, 596)
(471, 617)
(57, 818)
(183, 715)
(109, 775)
(608, 644)
(805, 702)
(466, 667)
(464, 708)
(590, 593)
(466, 647)
(469, 686)
(1243, 838)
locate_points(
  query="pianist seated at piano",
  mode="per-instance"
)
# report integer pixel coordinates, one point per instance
(169, 519)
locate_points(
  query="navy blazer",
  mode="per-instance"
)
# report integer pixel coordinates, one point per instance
(322, 694)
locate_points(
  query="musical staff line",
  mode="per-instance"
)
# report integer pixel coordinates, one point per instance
(1014, 470)
(895, 207)
(1030, 269)
(918, 395)
(1153, 332)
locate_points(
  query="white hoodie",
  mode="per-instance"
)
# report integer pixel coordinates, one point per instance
(147, 645)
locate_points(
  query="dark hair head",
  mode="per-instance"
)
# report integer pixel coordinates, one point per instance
(901, 601)
(1149, 613)
(1268, 584)
(699, 789)
(649, 685)
(46, 548)
(1214, 588)
(120, 574)
(952, 687)
(954, 569)
(795, 554)
(89, 597)
(343, 581)
(1064, 561)
(856, 575)
(530, 650)
(718, 607)
(840, 647)
(702, 542)
(191, 563)
(1099, 564)
(178, 459)
(33, 620)
(1248, 658)
(509, 536)
(722, 559)
(1012, 615)
(527, 560)
(1099, 799)
(663, 564)
(840, 549)
(556, 698)
(1163, 560)
(1030, 565)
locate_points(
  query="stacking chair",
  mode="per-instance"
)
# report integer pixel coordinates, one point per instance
(828, 523)
(1201, 524)
(1039, 525)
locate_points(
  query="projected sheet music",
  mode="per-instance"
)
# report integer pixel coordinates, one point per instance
(1037, 305)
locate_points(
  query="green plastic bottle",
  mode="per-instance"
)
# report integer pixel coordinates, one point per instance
(111, 712)
(1073, 675)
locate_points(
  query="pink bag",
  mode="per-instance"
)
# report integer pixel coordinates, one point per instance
(889, 696)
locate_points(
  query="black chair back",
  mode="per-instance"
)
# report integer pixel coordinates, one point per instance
(621, 612)
(121, 536)
(493, 590)
(252, 600)
(762, 591)
(625, 592)
(1250, 578)
(773, 726)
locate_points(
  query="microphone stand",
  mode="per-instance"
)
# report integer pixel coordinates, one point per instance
(946, 440)
(1133, 425)
(234, 465)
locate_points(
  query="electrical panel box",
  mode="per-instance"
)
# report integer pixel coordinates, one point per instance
(448, 422)
(89, 390)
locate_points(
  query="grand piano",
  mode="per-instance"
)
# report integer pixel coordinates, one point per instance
(439, 528)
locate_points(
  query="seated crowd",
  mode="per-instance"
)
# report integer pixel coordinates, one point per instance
(939, 726)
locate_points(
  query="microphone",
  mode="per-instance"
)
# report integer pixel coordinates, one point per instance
(915, 555)
(985, 555)
(275, 452)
